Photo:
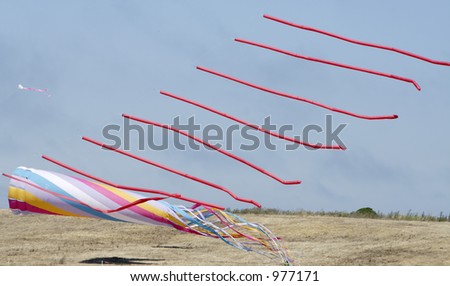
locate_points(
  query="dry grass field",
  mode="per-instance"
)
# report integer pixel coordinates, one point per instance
(311, 240)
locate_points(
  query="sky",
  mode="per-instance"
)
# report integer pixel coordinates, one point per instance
(100, 59)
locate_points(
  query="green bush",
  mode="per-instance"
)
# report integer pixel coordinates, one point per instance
(366, 212)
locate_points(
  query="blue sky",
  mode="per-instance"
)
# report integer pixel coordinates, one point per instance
(104, 58)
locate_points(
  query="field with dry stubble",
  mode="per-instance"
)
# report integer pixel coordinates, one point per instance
(311, 240)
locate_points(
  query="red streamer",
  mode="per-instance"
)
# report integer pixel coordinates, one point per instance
(254, 126)
(396, 77)
(143, 190)
(193, 178)
(298, 98)
(251, 165)
(372, 45)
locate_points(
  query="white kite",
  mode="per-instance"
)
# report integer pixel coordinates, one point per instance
(43, 90)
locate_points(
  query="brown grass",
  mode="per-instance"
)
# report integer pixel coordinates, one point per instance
(312, 240)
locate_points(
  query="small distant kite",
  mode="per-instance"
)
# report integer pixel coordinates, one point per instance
(41, 90)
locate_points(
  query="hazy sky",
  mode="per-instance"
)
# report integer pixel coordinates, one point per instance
(104, 58)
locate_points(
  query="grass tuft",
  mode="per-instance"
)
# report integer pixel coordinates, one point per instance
(365, 212)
